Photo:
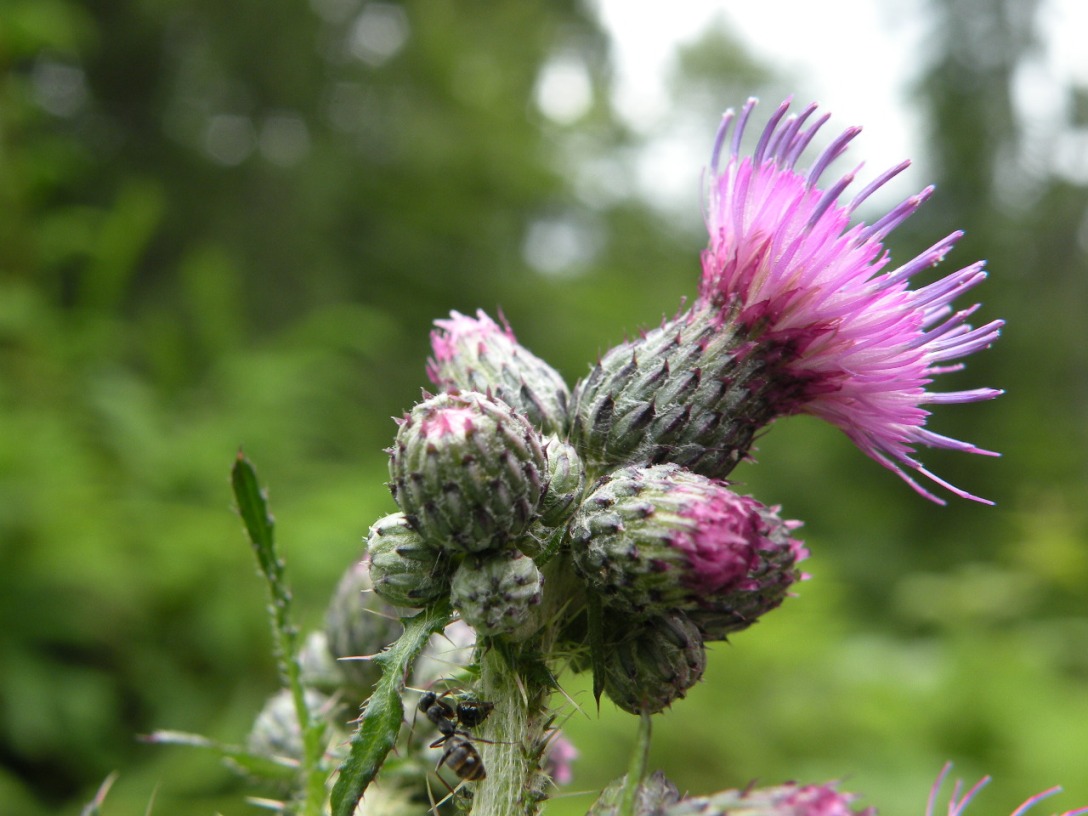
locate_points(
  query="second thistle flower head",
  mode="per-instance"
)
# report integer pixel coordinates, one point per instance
(476, 354)
(651, 539)
(837, 330)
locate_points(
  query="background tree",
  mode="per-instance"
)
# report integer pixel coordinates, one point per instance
(230, 224)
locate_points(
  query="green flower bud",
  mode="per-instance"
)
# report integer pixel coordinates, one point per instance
(276, 731)
(656, 538)
(649, 664)
(655, 793)
(686, 392)
(405, 569)
(467, 471)
(320, 670)
(566, 482)
(495, 593)
(477, 355)
(359, 623)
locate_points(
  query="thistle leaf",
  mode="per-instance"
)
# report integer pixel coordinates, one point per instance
(384, 713)
(255, 764)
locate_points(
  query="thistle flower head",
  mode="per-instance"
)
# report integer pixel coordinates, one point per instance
(660, 537)
(476, 354)
(646, 665)
(790, 799)
(359, 623)
(957, 803)
(276, 731)
(495, 592)
(405, 569)
(836, 328)
(468, 471)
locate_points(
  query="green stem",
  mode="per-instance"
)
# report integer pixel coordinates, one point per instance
(519, 680)
(636, 771)
(253, 508)
(515, 784)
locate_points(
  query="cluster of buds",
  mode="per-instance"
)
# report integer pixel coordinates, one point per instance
(615, 487)
(500, 475)
(470, 474)
(614, 490)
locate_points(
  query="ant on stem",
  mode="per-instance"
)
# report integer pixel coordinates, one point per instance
(459, 754)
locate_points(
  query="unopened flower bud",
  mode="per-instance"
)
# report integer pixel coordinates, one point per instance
(319, 669)
(276, 731)
(476, 354)
(496, 592)
(683, 393)
(358, 624)
(468, 471)
(406, 569)
(566, 482)
(657, 538)
(655, 793)
(790, 799)
(647, 665)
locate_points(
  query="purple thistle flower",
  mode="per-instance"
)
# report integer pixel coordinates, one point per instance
(841, 335)
(957, 803)
(790, 799)
(820, 800)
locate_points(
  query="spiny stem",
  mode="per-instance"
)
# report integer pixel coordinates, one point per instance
(516, 730)
(519, 679)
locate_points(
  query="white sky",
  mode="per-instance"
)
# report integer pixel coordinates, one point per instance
(854, 57)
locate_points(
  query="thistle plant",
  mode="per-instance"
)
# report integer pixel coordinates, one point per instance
(549, 530)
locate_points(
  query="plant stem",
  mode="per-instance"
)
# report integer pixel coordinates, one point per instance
(253, 508)
(636, 771)
(519, 680)
(514, 783)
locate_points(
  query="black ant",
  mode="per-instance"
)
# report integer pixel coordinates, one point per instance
(460, 755)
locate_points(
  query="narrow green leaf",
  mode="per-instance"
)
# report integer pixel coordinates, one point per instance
(253, 507)
(381, 721)
(255, 764)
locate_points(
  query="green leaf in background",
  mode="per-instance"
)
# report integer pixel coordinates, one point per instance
(261, 766)
(381, 721)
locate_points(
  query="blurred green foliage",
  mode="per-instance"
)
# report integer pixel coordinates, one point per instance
(232, 224)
